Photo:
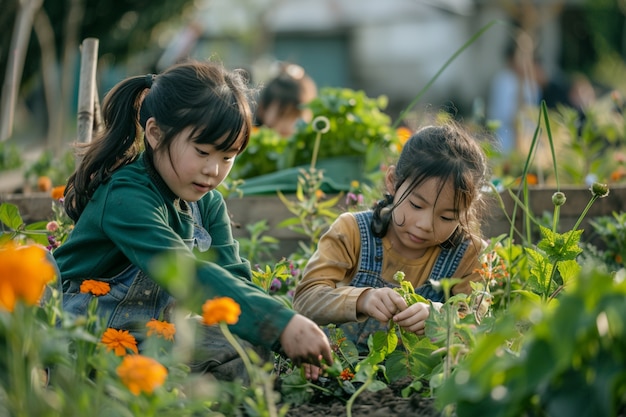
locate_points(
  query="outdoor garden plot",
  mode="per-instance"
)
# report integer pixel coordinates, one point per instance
(543, 332)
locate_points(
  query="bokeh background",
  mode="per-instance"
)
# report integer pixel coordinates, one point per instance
(391, 47)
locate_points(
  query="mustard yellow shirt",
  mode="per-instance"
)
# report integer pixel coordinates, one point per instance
(324, 294)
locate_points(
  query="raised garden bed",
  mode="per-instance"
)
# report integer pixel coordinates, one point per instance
(250, 209)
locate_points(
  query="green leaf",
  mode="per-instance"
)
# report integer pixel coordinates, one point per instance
(419, 362)
(10, 215)
(560, 247)
(568, 270)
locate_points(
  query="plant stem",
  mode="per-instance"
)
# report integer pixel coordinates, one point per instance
(356, 394)
(584, 213)
(316, 150)
(271, 406)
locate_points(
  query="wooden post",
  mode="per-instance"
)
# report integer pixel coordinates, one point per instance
(87, 89)
(15, 65)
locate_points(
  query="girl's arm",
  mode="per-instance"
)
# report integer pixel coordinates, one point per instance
(144, 227)
(324, 294)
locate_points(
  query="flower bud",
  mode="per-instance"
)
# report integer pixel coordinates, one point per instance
(599, 190)
(558, 198)
(321, 124)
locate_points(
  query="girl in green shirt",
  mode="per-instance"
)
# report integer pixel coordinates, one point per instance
(131, 206)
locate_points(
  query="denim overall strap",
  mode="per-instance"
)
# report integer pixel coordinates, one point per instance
(368, 275)
(370, 262)
(445, 266)
(201, 238)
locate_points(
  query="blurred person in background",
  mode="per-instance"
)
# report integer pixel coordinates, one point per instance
(512, 89)
(280, 103)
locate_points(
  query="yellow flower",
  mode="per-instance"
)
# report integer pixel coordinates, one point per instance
(220, 309)
(404, 134)
(119, 341)
(141, 374)
(95, 287)
(24, 272)
(160, 328)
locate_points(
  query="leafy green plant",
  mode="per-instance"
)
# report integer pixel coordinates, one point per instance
(358, 127)
(13, 227)
(397, 354)
(279, 280)
(611, 230)
(569, 363)
(312, 212)
(259, 246)
(264, 154)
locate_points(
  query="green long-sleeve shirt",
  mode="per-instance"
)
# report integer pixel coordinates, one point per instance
(134, 217)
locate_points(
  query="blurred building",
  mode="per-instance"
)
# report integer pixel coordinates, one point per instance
(390, 47)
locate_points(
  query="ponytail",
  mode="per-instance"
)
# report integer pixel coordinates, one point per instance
(382, 215)
(118, 145)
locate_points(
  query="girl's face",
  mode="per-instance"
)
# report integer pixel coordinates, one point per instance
(425, 218)
(191, 169)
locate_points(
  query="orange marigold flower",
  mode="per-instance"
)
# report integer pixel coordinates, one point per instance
(404, 134)
(95, 287)
(44, 183)
(346, 375)
(532, 179)
(162, 329)
(141, 374)
(220, 309)
(57, 192)
(24, 273)
(119, 341)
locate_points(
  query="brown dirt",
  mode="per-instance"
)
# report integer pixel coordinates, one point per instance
(384, 403)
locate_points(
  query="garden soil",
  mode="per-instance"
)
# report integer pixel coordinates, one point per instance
(384, 403)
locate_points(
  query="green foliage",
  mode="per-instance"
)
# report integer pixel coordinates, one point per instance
(594, 142)
(47, 165)
(312, 213)
(258, 246)
(358, 127)
(10, 157)
(570, 363)
(265, 154)
(13, 227)
(612, 232)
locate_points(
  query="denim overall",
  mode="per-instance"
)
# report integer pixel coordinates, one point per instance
(369, 275)
(134, 298)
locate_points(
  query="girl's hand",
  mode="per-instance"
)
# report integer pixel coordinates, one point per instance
(311, 372)
(380, 303)
(304, 342)
(413, 318)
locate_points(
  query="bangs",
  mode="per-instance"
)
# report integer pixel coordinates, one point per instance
(222, 129)
(449, 170)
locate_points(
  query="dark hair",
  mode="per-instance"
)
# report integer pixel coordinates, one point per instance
(445, 152)
(286, 90)
(201, 95)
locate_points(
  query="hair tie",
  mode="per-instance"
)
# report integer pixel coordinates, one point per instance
(149, 80)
